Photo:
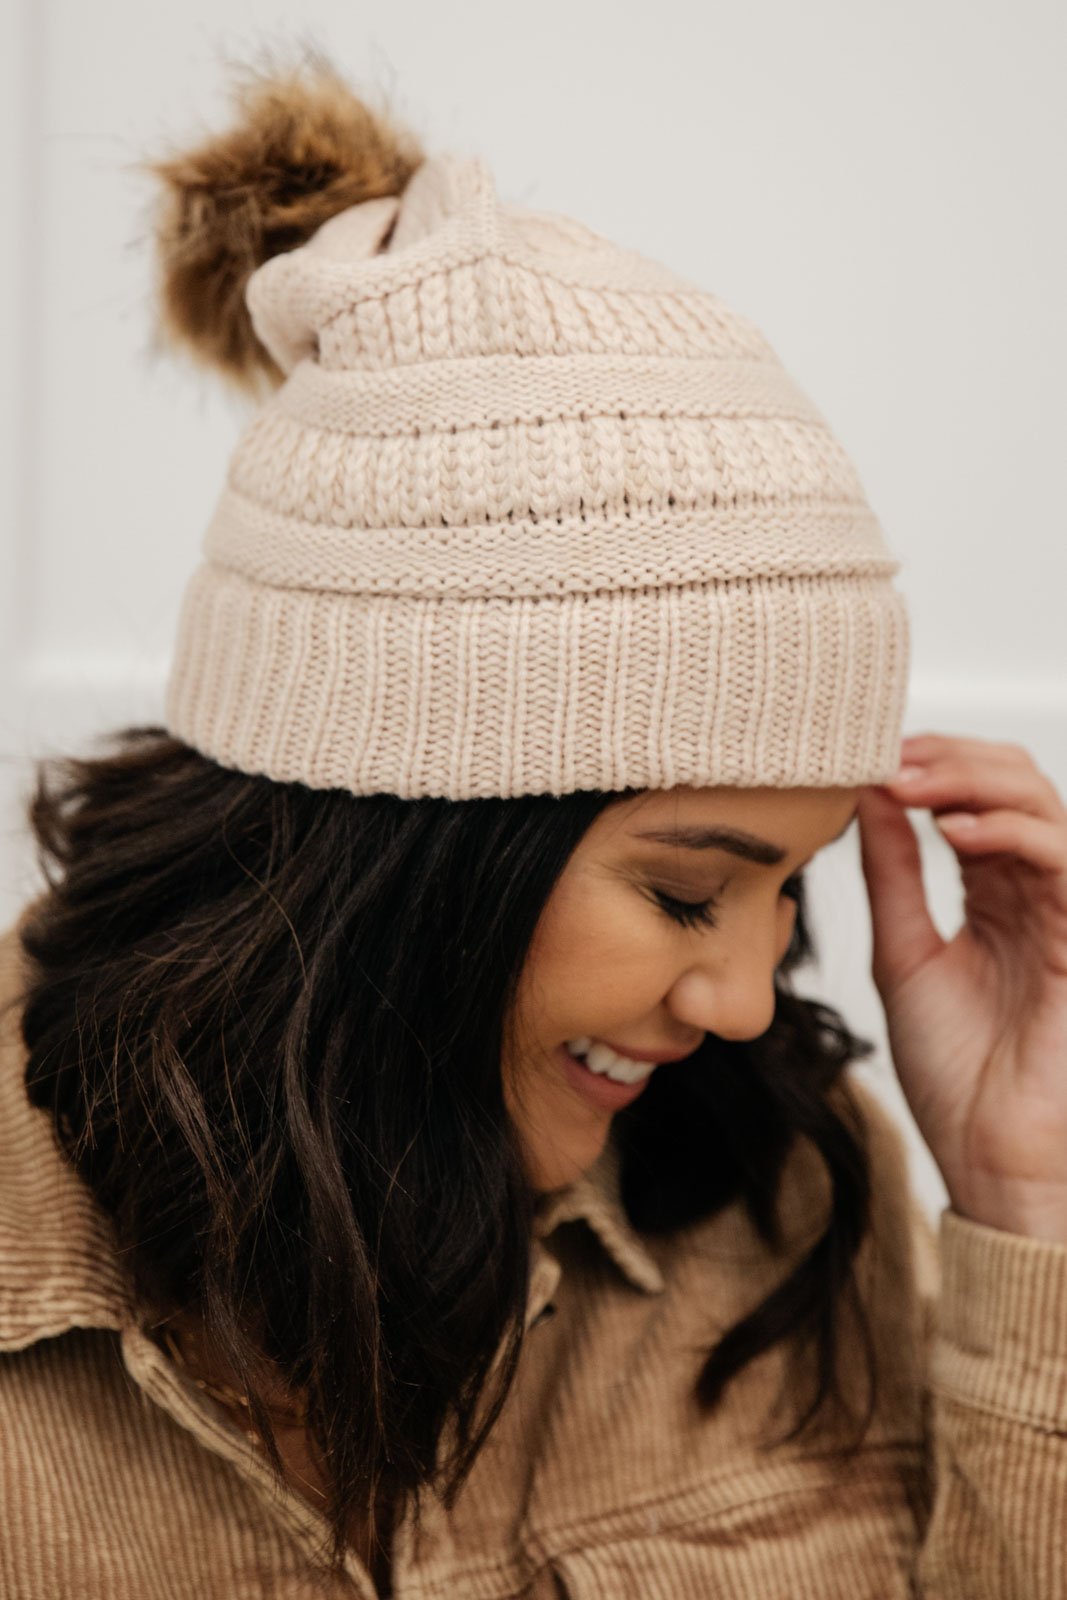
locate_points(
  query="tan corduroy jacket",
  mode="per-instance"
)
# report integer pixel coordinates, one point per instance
(120, 1480)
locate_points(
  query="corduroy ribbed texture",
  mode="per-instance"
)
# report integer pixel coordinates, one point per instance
(530, 513)
(119, 1480)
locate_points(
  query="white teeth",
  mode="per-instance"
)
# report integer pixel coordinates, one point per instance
(600, 1058)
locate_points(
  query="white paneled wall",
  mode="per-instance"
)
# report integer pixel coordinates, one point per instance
(880, 188)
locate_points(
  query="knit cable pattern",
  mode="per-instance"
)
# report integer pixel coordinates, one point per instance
(530, 513)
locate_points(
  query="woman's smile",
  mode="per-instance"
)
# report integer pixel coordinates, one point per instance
(598, 1088)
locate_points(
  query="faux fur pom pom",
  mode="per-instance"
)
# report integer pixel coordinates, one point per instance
(303, 147)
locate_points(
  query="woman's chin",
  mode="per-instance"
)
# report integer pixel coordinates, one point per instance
(566, 1161)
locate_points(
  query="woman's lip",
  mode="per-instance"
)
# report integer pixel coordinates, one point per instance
(600, 1090)
(658, 1056)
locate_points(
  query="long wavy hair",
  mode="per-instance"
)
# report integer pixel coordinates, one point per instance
(268, 1023)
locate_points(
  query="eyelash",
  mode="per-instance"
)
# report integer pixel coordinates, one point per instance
(693, 913)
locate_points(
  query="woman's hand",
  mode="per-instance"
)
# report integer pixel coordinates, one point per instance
(977, 1024)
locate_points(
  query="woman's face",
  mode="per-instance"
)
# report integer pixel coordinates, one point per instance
(609, 962)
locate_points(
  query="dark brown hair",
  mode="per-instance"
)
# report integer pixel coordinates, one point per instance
(268, 1021)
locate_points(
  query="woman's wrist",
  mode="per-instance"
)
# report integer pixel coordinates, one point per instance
(1033, 1211)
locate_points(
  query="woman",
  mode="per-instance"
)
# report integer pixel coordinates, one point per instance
(418, 1176)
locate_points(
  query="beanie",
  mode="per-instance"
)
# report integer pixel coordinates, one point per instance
(522, 512)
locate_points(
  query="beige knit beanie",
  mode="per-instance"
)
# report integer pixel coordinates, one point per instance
(525, 512)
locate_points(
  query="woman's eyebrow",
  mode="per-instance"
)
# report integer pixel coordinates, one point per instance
(735, 840)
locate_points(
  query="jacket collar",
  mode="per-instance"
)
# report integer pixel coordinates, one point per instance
(595, 1198)
(60, 1266)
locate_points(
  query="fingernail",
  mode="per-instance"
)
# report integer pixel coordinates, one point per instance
(908, 774)
(957, 819)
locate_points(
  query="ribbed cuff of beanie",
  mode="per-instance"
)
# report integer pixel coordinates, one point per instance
(1001, 1321)
(768, 681)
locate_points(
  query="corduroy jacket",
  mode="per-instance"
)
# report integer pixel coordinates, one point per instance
(602, 1480)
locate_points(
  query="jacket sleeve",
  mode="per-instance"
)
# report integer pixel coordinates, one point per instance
(995, 1311)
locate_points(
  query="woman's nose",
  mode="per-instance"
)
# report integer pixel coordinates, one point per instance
(734, 997)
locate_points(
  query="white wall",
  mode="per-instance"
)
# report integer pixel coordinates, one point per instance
(879, 187)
